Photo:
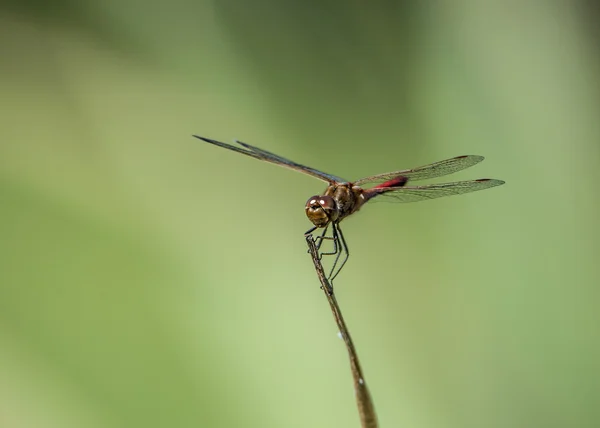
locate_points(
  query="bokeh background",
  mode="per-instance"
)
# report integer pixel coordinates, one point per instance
(148, 279)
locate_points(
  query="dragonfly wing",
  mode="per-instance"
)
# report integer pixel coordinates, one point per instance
(433, 170)
(266, 156)
(431, 191)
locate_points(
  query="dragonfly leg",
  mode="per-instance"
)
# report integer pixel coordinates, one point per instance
(310, 231)
(335, 244)
(343, 249)
(337, 250)
(319, 239)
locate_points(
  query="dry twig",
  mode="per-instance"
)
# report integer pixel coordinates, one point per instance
(366, 410)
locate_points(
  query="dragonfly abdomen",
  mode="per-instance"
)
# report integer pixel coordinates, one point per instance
(394, 182)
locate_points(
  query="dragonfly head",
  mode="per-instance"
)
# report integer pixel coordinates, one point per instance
(321, 210)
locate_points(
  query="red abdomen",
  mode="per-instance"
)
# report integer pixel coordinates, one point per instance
(394, 182)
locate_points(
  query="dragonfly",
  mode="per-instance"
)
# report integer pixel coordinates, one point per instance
(342, 198)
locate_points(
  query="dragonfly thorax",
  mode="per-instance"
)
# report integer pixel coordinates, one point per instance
(321, 210)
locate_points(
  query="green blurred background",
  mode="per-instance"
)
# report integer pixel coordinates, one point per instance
(148, 279)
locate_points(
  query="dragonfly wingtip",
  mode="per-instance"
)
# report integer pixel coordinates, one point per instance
(492, 181)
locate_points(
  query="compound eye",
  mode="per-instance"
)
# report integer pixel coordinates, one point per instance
(317, 203)
(326, 202)
(313, 202)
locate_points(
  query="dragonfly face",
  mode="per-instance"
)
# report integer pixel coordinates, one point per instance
(321, 210)
(342, 198)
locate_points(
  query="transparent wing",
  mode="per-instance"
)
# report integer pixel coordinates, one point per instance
(266, 156)
(431, 191)
(433, 170)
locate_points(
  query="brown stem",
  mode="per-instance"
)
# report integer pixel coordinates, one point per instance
(366, 410)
